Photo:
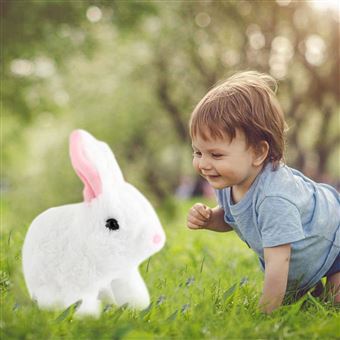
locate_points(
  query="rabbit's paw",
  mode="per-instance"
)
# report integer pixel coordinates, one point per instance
(106, 295)
(131, 290)
(90, 306)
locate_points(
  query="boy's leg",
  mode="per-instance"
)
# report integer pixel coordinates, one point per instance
(318, 289)
(333, 286)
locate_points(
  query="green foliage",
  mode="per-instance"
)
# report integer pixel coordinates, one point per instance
(133, 77)
(198, 291)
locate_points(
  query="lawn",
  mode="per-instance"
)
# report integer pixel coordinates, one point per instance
(203, 285)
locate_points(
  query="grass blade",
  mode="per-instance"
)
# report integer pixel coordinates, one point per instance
(317, 304)
(190, 281)
(201, 269)
(69, 311)
(185, 308)
(146, 310)
(244, 281)
(230, 291)
(118, 313)
(173, 316)
(121, 331)
(160, 300)
(147, 266)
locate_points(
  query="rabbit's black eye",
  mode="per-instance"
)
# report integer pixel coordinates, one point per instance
(112, 224)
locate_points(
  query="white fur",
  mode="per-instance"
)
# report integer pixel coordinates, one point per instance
(69, 254)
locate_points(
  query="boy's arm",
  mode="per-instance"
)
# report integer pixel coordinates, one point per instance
(202, 217)
(217, 222)
(276, 276)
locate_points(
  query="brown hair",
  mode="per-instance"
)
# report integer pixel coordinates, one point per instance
(245, 101)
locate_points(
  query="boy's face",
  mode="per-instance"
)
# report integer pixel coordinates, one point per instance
(224, 163)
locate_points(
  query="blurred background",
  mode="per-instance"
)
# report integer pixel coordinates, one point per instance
(131, 73)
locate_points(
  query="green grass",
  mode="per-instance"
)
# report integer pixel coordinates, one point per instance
(203, 285)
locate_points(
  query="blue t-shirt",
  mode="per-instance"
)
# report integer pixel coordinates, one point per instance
(284, 206)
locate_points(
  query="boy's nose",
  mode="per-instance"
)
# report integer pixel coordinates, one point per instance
(204, 164)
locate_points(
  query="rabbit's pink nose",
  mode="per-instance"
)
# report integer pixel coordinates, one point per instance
(157, 238)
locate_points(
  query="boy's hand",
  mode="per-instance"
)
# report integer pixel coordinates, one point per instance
(199, 216)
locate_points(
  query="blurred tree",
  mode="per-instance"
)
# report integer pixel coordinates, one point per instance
(131, 73)
(39, 36)
(211, 41)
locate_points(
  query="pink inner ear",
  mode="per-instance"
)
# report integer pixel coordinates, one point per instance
(83, 167)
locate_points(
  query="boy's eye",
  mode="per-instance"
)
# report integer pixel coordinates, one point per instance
(216, 155)
(197, 154)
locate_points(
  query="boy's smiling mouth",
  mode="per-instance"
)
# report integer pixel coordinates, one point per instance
(211, 176)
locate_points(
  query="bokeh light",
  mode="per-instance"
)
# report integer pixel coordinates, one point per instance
(94, 14)
(203, 19)
(21, 67)
(315, 50)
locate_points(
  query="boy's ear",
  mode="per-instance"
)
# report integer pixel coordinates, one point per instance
(260, 153)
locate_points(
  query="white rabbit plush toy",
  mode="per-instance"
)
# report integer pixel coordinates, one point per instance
(91, 251)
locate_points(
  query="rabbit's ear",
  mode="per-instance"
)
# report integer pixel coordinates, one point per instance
(95, 164)
(83, 166)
